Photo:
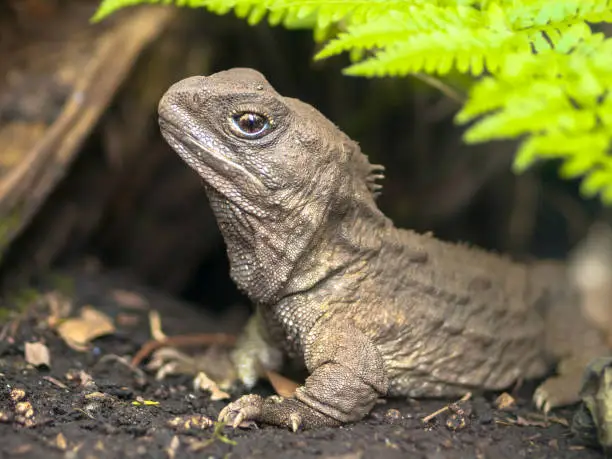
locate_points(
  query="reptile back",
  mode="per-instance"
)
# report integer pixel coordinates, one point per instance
(454, 317)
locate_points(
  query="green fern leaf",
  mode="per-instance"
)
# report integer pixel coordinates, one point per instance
(375, 34)
(597, 181)
(558, 102)
(547, 78)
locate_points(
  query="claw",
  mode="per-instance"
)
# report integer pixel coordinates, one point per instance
(246, 408)
(541, 401)
(279, 411)
(296, 421)
(538, 399)
(238, 420)
(223, 415)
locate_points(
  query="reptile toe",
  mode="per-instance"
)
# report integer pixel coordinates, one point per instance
(558, 391)
(246, 408)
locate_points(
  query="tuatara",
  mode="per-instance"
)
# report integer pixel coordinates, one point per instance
(370, 309)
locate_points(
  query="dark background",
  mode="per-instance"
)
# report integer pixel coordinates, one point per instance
(139, 208)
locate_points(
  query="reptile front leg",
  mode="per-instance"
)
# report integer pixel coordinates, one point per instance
(347, 376)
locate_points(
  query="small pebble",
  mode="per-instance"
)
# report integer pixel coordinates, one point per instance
(190, 422)
(456, 422)
(25, 409)
(17, 394)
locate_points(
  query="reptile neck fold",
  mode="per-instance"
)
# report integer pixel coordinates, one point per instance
(272, 257)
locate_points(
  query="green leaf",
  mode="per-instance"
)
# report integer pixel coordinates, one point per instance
(541, 76)
(596, 181)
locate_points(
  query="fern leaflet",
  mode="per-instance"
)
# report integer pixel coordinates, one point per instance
(542, 74)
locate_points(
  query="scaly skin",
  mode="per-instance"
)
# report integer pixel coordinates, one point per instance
(370, 309)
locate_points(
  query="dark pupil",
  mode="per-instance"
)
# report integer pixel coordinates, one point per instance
(251, 123)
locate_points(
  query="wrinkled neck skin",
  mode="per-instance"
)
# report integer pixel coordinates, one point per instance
(284, 251)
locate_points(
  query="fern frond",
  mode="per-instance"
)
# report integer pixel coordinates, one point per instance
(559, 103)
(333, 11)
(287, 12)
(548, 77)
(534, 13)
(410, 36)
(437, 39)
(251, 10)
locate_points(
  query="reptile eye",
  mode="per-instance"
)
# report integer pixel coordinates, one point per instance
(250, 124)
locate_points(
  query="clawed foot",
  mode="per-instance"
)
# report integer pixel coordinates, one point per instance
(275, 410)
(250, 408)
(558, 391)
(333, 394)
(214, 362)
(247, 408)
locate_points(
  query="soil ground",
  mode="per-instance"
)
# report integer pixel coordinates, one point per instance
(45, 413)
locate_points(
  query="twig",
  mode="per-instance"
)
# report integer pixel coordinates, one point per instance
(56, 382)
(465, 398)
(202, 339)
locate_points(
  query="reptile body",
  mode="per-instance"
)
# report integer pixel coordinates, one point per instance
(370, 309)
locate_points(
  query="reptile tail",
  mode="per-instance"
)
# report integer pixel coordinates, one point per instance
(577, 318)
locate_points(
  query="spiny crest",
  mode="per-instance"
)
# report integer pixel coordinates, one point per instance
(376, 173)
(365, 171)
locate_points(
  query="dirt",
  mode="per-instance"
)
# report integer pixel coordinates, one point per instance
(56, 412)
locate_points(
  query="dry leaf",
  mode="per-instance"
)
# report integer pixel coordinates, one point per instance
(173, 447)
(524, 422)
(37, 354)
(155, 325)
(61, 442)
(83, 378)
(505, 401)
(283, 386)
(59, 306)
(549, 419)
(130, 300)
(127, 320)
(78, 332)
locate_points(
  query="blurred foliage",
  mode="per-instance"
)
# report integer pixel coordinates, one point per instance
(541, 74)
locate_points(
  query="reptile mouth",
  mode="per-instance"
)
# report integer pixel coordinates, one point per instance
(197, 154)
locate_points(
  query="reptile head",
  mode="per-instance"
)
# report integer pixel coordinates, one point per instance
(251, 144)
(281, 178)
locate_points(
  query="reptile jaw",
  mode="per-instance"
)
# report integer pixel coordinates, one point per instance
(199, 155)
